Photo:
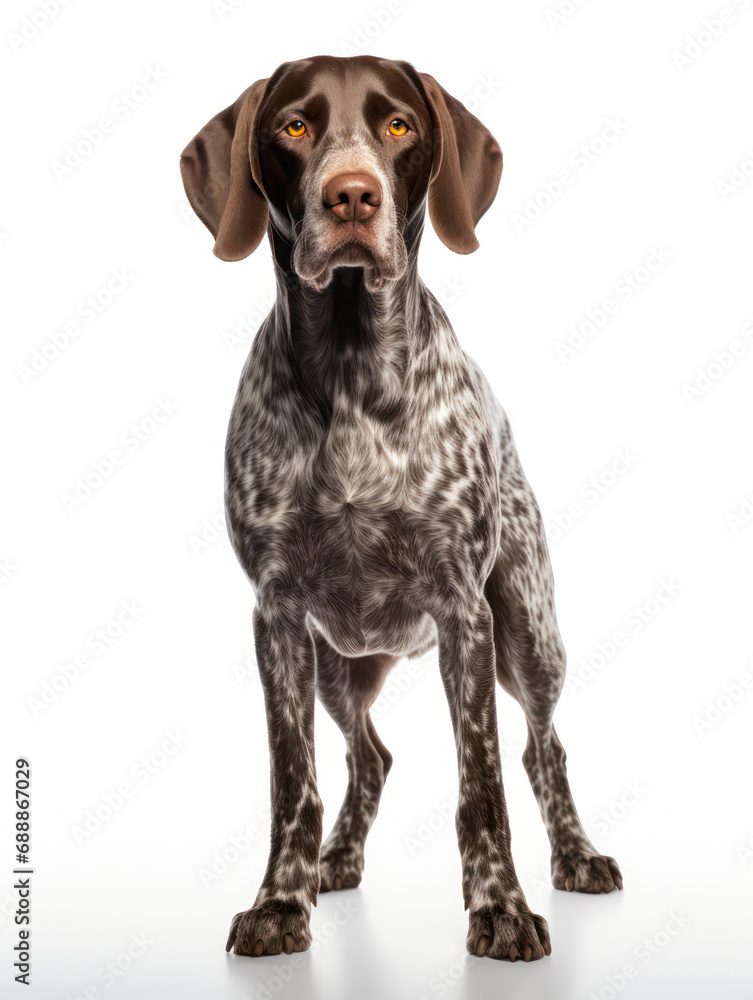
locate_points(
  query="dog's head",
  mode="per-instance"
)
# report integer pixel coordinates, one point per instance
(339, 155)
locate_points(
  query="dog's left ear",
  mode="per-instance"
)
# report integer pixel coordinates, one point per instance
(466, 169)
(220, 170)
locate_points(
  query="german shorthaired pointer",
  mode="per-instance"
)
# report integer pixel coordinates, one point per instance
(374, 495)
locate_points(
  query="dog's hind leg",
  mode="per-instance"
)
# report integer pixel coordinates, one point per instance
(347, 688)
(531, 666)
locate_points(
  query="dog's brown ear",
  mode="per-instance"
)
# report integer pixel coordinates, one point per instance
(220, 170)
(465, 171)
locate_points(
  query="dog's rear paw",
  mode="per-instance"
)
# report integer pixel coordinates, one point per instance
(340, 868)
(508, 935)
(269, 929)
(585, 872)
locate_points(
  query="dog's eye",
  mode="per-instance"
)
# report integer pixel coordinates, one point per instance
(296, 129)
(398, 127)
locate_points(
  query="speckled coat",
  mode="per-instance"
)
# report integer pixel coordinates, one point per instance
(374, 495)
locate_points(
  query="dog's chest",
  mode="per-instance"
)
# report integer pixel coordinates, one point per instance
(398, 497)
(381, 495)
(360, 466)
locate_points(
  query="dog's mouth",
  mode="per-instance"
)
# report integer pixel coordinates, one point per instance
(354, 240)
(349, 244)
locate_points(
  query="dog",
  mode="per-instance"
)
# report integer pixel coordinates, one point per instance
(373, 492)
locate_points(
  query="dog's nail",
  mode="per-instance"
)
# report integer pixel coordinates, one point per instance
(287, 944)
(527, 953)
(514, 952)
(258, 947)
(569, 884)
(233, 932)
(338, 882)
(482, 946)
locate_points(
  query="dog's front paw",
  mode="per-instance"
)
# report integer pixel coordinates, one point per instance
(508, 934)
(269, 929)
(583, 871)
(340, 868)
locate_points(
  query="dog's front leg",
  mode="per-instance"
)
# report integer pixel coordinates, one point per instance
(501, 923)
(279, 918)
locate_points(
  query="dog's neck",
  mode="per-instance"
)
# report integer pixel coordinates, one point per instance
(346, 342)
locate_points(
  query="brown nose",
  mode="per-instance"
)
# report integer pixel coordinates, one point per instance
(353, 197)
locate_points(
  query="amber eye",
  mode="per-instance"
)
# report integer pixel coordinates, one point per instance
(296, 129)
(398, 127)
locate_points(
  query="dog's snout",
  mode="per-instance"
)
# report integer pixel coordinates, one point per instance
(353, 197)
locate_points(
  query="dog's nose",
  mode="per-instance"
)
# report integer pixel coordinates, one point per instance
(353, 197)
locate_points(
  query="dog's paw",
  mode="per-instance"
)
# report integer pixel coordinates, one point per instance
(340, 868)
(583, 871)
(508, 935)
(269, 929)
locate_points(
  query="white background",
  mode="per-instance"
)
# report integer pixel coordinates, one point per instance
(658, 748)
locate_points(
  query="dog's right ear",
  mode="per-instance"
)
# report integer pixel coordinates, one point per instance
(220, 170)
